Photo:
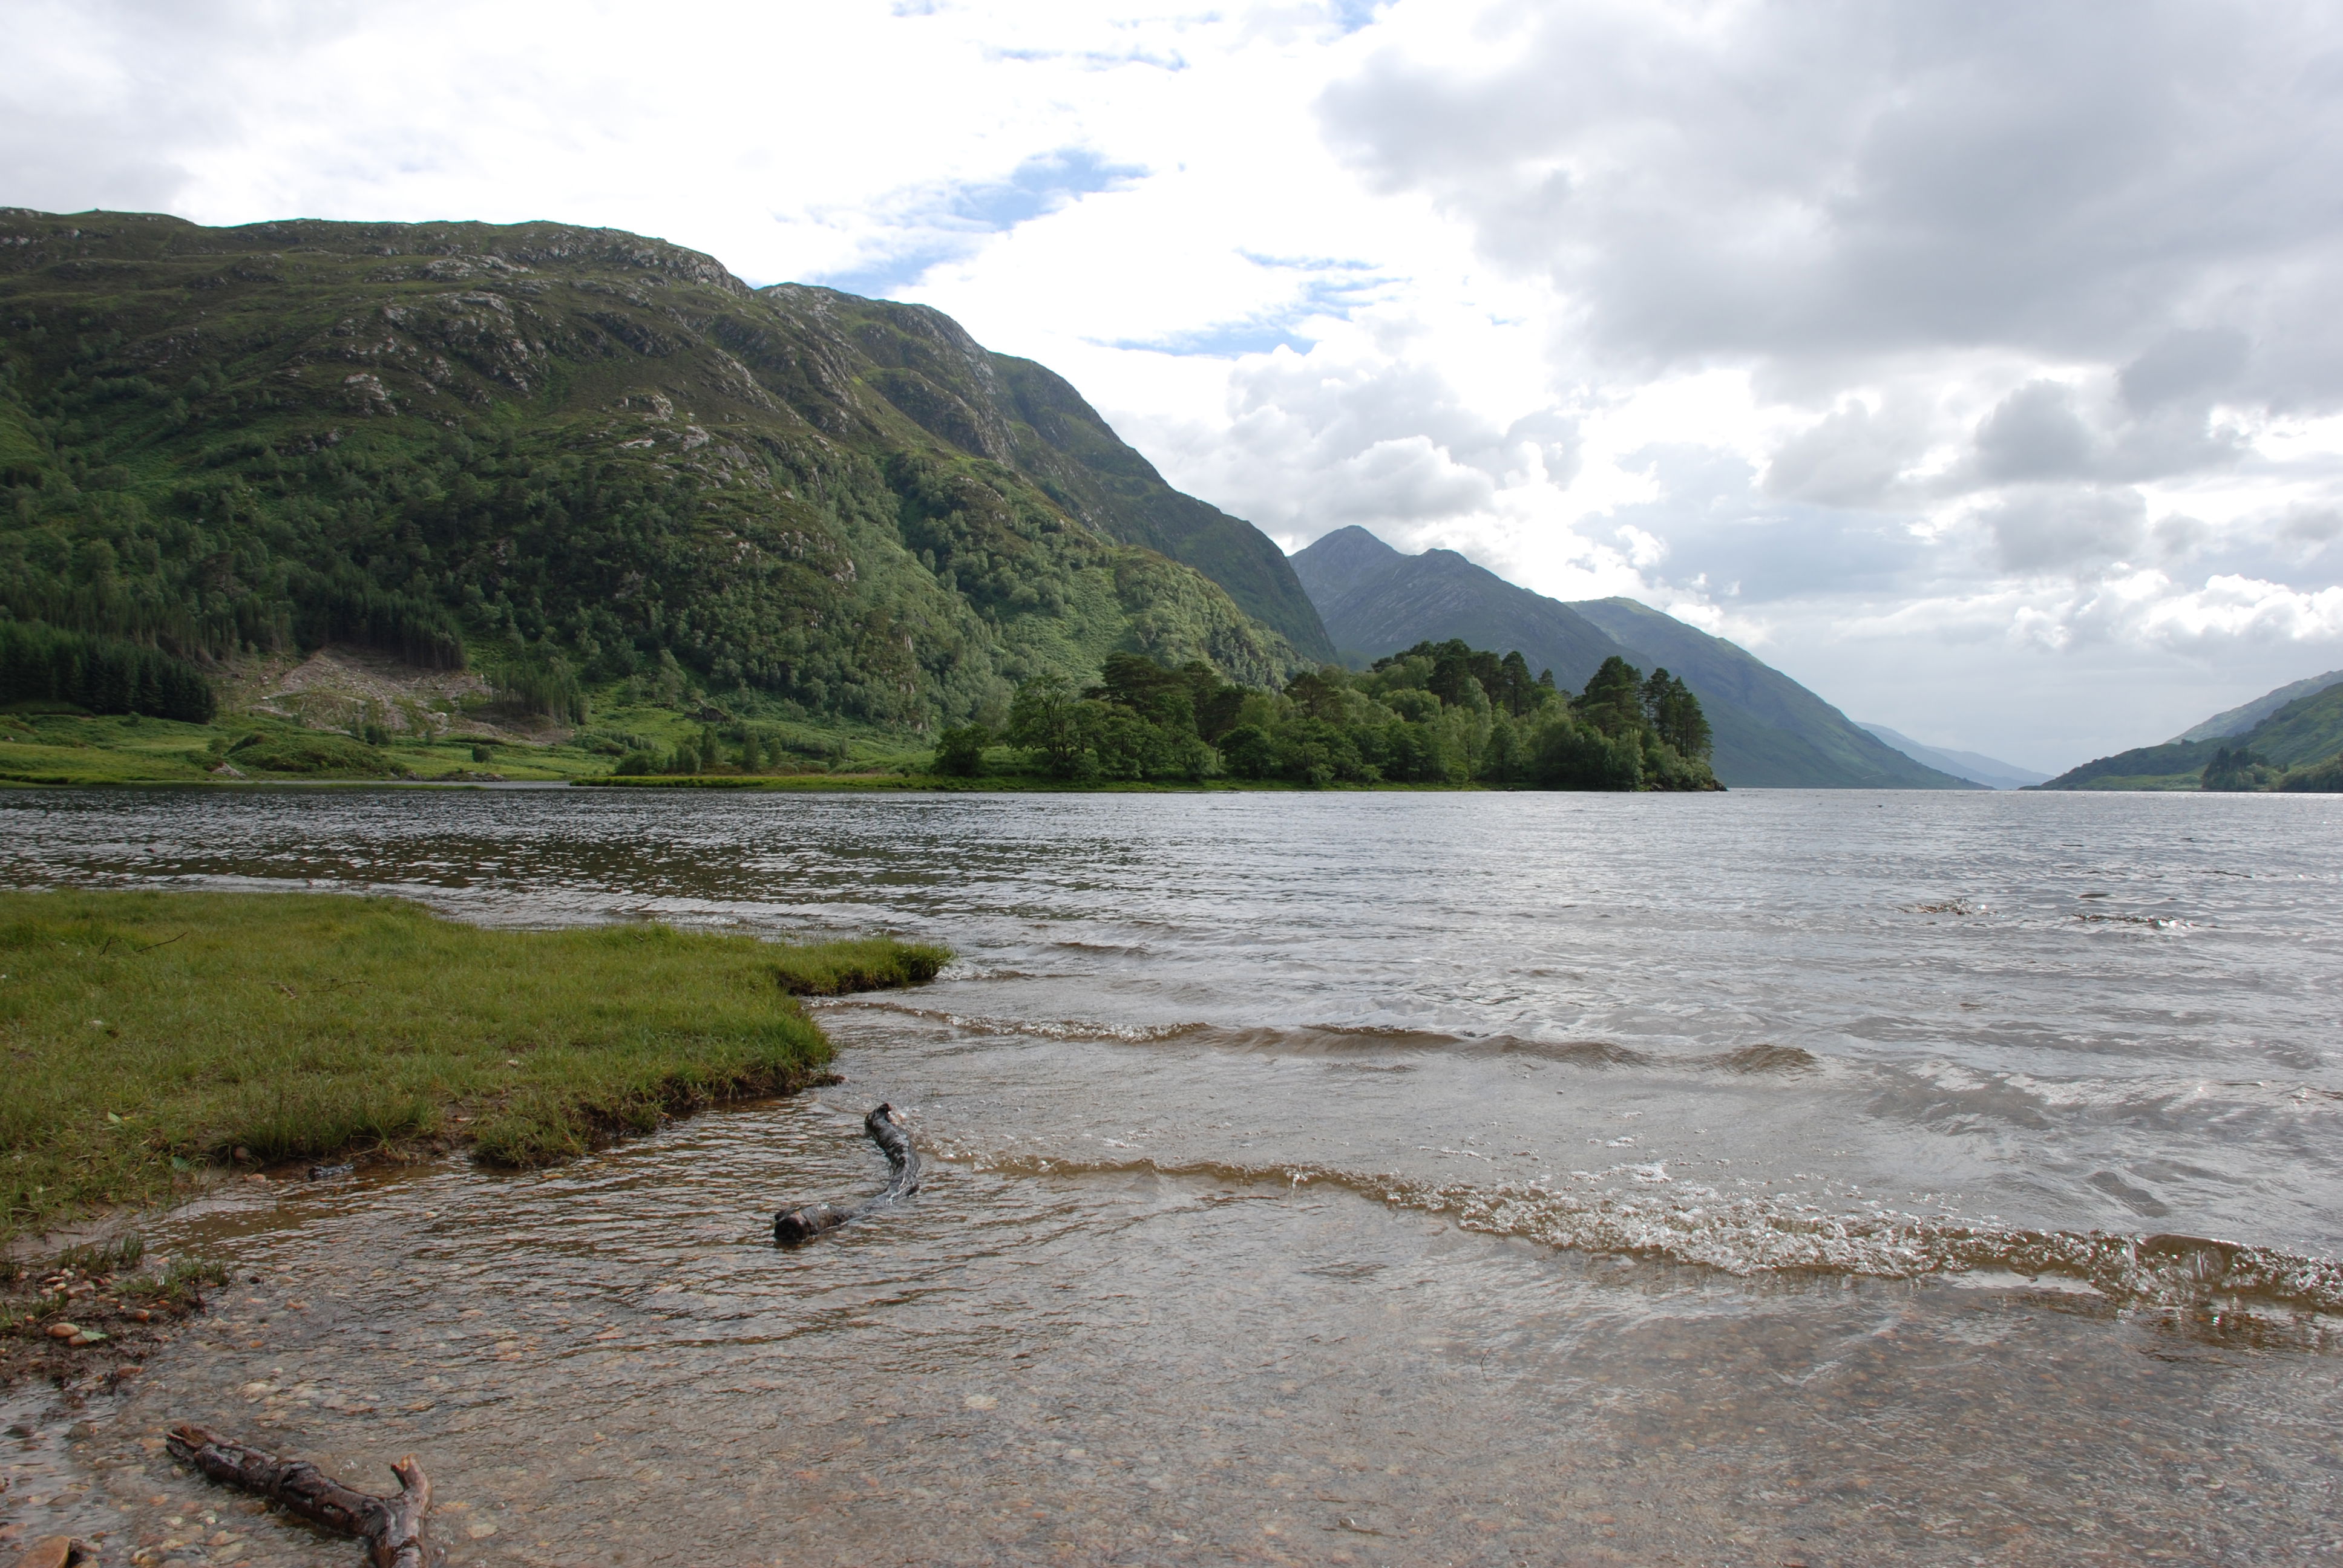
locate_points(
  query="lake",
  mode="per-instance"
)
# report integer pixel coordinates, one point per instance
(1381, 1178)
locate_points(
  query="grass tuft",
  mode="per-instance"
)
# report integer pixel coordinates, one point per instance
(841, 968)
(151, 1035)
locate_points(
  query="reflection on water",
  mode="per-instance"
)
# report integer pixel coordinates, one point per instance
(1260, 1112)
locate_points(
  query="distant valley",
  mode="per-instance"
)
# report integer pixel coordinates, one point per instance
(1975, 767)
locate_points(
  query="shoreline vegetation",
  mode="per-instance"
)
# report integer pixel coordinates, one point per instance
(1439, 716)
(160, 1042)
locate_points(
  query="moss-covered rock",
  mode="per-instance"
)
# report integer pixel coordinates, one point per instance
(311, 755)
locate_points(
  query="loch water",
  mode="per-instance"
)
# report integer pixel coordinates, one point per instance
(1774, 1177)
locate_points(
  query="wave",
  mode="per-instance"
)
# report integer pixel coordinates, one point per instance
(1667, 1220)
(1047, 1028)
(1332, 1038)
(1765, 1058)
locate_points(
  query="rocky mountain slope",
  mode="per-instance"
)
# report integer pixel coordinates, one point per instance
(1770, 731)
(578, 454)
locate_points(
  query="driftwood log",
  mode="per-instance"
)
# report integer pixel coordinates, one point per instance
(394, 1527)
(793, 1226)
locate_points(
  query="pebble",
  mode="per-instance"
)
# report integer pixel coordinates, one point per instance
(55, 1552)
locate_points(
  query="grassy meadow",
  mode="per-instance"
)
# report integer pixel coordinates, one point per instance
(149, 1035)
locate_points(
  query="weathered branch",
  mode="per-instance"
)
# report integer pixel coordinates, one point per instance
(794, 1226)
(392, 1527)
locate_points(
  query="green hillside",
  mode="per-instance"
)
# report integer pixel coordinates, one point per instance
(2300, 735)
(578, 456)
(2245, 716)
(2305, 730)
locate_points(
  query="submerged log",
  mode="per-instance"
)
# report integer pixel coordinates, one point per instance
(792, 1227)
(392, 1527)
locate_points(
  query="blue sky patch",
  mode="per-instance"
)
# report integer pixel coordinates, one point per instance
(1333, 287)
(948, 221)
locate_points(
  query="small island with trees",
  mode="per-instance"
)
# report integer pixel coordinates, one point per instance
(1438, 714)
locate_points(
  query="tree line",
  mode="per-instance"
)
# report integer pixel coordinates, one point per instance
(2246, 771)
(1439, 713)
(103, 674)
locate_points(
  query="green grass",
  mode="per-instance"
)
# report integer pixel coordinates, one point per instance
(841, 968)
(42, 746)
(149, 1035)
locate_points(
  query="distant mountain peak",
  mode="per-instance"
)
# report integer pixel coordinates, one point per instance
(1341, 561)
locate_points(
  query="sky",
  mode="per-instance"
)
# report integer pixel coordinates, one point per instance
(1975, 363)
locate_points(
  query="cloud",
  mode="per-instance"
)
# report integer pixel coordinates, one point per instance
(1815, 183)
(2187, 362)
(2035, 433)
(1851, 457)
(2036, 529)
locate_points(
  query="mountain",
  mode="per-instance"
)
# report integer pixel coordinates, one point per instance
(2237, 720)
(1770, 731)
(1027, 416)
(579, 454)
(2305, 731)
(1374, 600)
(1973, 766)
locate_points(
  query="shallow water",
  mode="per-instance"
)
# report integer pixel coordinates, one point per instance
(1378, 1179)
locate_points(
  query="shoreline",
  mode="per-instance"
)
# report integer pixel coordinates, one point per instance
(314, 995)
(247, 1031)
